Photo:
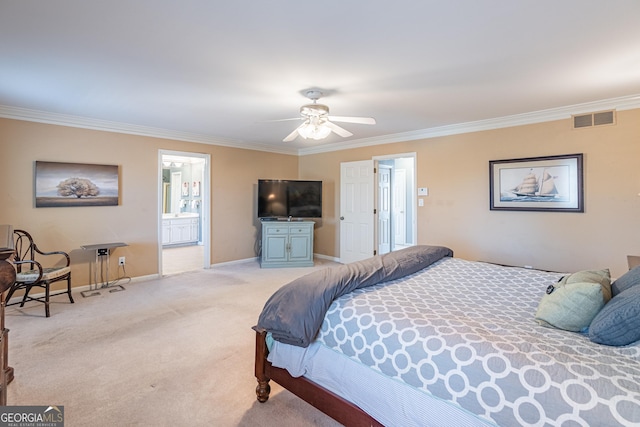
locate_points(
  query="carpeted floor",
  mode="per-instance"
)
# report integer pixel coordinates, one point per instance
(175, 351)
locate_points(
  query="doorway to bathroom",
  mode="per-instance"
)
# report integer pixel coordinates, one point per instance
(395, 202)
(183, 211)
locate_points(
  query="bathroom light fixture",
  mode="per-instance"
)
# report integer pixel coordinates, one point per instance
(167, 164)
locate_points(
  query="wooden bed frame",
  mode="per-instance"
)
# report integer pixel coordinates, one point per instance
(326, 401)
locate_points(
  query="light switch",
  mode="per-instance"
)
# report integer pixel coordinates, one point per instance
(420, 202)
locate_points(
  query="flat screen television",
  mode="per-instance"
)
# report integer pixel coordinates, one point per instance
(289, 198)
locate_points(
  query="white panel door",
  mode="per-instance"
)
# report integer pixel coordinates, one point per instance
(400, 207)
(384, 209)
(356, 211)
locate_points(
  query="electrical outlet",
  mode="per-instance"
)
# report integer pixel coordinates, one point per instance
(121, 260)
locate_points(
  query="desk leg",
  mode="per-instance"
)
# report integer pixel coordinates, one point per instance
(106, 283)
(95, 270)
(6, 372)
(93, 287)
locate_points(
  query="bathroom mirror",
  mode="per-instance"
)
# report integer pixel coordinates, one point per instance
(181, 184)
(171, 191)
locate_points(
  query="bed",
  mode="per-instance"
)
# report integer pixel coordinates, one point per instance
(418, 337)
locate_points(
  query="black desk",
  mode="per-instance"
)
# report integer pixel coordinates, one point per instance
(103, 252)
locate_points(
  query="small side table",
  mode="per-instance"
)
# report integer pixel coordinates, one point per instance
(103, 252)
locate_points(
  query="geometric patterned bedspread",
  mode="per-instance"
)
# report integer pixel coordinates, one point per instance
(465, 332)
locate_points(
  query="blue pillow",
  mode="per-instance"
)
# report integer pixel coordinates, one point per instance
(627, 280)
(618, 323)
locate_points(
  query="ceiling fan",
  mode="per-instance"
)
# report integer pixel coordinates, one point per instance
(318, 124)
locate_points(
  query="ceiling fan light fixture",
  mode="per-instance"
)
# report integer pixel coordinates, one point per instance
(314, 131)
(318, 124)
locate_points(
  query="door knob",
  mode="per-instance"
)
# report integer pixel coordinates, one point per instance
(341, 218)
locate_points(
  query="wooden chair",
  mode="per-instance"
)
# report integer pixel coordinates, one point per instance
(31, 273)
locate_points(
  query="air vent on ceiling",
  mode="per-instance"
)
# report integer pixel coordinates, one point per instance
(594, 119)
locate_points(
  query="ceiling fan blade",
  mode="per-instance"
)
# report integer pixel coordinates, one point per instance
(337, 129)
(280, 120)
(293, 135)
(359, 120)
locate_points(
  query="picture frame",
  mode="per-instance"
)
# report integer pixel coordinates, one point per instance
(59, 184)
(543, 184)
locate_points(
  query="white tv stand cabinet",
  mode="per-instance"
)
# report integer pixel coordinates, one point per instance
(287, 243)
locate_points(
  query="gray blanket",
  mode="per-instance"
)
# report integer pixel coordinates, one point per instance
(294, 313)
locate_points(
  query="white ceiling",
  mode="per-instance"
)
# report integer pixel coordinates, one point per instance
(215, 71)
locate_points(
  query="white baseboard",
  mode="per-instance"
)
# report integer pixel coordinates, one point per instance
(237, 261)
(257, 259)
(327, 257)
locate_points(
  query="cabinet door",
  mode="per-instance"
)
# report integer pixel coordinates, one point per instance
(166, 232)
(300, 247)
(275, 248)
(195, 230)
(180, 231)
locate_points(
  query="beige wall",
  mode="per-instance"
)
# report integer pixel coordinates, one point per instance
(234, 176)
(456, 212)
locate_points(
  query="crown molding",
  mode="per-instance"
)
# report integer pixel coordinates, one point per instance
(38, 116)
(622, 103)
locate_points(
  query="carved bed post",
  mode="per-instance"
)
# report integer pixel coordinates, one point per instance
(263, 389)
(336, 407)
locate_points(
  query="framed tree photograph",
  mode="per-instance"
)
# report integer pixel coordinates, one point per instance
(547, 184)
(75, 184)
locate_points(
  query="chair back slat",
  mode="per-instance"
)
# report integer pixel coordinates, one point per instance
(24, 249)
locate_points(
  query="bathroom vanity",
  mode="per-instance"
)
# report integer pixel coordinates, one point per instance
(180, 229)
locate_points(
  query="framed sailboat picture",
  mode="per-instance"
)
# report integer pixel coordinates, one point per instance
(548, 184)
